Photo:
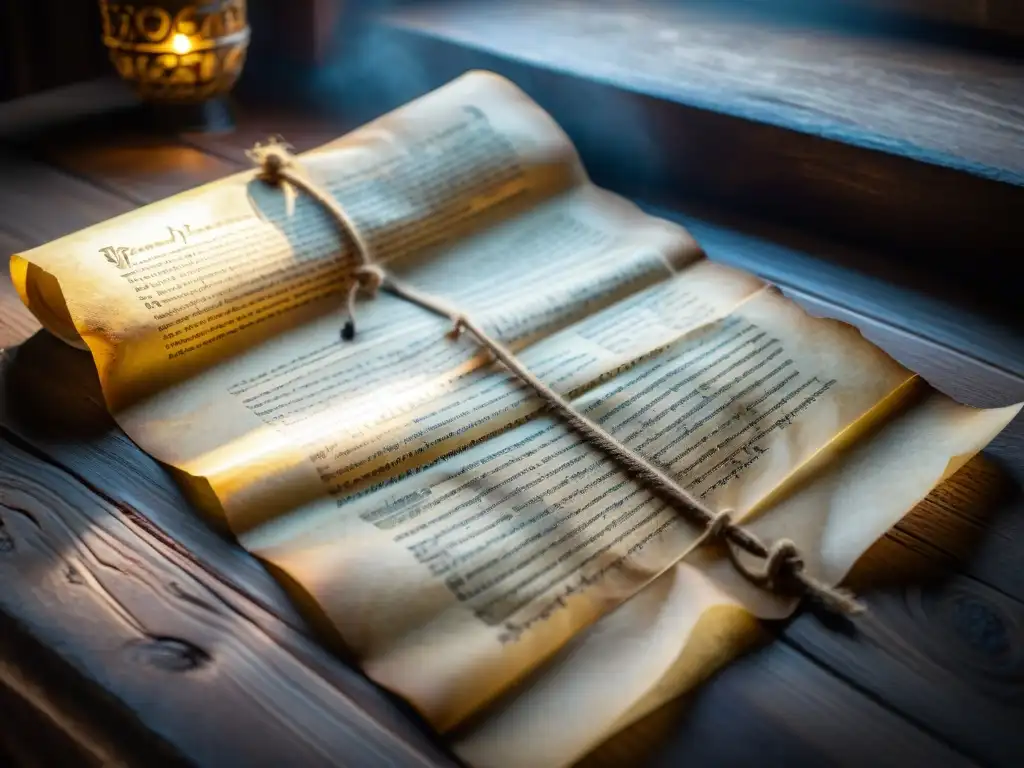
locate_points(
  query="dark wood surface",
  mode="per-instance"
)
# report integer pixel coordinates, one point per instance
(694, 56)
(951, 17)
(909, 148)
(133, 632)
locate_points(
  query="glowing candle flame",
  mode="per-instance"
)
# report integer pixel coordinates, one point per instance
(181, 44)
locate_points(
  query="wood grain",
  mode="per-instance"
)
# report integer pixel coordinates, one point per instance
(39, 203)
(847, 88)
(71, 427)
(940, 647)
(140, 170)
(134, 615)
(16, 322)
(54, 716)
(774, 707)
(913, 151)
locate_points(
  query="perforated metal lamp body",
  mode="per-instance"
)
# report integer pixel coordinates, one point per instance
(177, 52)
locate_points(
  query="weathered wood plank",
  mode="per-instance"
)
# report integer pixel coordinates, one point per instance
(16, 322)
(54, 716)
(927, 103)
(138, 168)
(940, 647)
(135, 616)
(45, 110)
(71, 426)
(774, 707)
(913, 150)
(39, 203)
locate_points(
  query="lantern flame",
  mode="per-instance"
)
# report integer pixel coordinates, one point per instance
(181, 44)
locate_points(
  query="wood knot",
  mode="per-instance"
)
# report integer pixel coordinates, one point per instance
(73, 576)
(980, 625)
(170, 654)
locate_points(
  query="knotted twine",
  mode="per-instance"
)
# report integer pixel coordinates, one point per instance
(781, 567)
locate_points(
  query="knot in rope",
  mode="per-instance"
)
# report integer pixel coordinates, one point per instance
(782, 564)
(370, 278)
(277, 164)
(719, 524)
(272, 158)
(783, 560)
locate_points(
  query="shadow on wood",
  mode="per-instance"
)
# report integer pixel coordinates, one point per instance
(906, 579)
(106, 565)
(939, 645)
(939, 533)
(52, 390)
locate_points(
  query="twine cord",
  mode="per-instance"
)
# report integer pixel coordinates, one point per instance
(780, 567)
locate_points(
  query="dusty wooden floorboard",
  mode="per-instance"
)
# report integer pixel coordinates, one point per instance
(136, 616)
(71, 426)
(938, 646)
(747, 119)
(55, 716)
(929, 103)
(16, 322)
(774, 707)
(39, 203)
(142, 170)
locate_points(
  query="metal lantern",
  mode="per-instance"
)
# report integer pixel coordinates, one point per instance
(174, 51)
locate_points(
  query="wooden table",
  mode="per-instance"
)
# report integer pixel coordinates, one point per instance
(131, 632)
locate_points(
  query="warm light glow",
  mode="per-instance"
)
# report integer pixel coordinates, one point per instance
(181, 44)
